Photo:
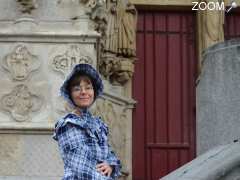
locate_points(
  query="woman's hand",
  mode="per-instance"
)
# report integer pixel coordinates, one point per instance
(104, 169)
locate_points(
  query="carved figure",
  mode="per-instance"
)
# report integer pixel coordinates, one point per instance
(212, 31)
(20, 102)
(121, 35)
(20, 63)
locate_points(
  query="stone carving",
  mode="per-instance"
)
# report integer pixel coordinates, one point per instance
(117, 69)
(21, 102)
(118, 49)
(27, 5)
(20, 63)
(74, 55)
(98, 13)
(116, 21)
(121, 29)
(89, 3)
(212, 27)
(80, 8)
(115, 118)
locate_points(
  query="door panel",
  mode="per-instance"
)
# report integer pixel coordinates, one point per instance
(232, 24)
(164, 87)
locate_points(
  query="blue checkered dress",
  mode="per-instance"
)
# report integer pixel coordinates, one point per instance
(83, 144)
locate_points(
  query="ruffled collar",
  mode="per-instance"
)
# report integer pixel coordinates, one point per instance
(85, 120)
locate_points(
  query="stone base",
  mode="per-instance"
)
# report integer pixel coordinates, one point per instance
(29, 157)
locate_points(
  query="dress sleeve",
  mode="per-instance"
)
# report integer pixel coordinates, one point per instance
(112, 159)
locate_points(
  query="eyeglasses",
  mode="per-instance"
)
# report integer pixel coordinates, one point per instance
(87, 88)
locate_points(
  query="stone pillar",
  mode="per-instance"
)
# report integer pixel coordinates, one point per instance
(218, 92)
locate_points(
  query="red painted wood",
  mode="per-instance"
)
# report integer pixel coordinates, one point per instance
(139, 142)
(164, 87)
(232, 24)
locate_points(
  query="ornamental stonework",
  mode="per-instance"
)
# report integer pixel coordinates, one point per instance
(121, 29)
(27, 5)
(118, 45)
(20, 103)
(118, 70)
(63, 63)
(20, 63)
(115, 117)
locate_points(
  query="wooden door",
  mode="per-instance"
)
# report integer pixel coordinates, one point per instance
(164, 87)
(232, 24)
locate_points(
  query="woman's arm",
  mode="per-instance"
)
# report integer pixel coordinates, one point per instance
(113, 161)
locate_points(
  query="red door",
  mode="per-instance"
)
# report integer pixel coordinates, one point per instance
(232, 24)
(164, 87)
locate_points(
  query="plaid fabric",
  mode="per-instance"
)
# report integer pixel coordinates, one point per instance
(83, 143)
(85, 69)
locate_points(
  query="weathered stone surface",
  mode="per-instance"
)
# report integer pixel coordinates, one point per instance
(220, 163)
(29, 156)
(218, 96)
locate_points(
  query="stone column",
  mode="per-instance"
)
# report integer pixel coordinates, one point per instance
(218, 92)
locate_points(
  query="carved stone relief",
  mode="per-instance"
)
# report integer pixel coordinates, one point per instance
(116, 21)
(117, 69)
(118, 48)
(89, 3)
(210, 30)
(27, 5)
(81, 8)
(21, 102)
(98, 13)
(115, 117)
(121, 27)
(20, 63)
(74, 55)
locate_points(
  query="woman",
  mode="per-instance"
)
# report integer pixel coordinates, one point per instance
(82, 138)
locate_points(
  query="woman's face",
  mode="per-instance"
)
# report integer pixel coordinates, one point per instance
(83, 94)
